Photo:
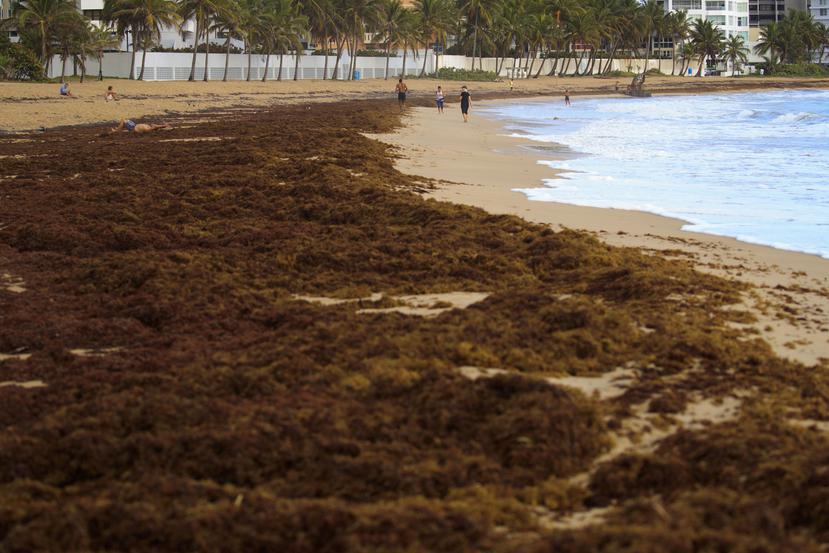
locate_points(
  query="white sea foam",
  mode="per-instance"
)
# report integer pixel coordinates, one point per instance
(751, 166)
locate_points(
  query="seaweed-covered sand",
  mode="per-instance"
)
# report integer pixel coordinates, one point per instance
(254, 334)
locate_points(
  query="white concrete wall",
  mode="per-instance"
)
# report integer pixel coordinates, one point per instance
(166, 66)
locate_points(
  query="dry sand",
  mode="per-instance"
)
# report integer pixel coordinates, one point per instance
(28, 106)
(477, 164)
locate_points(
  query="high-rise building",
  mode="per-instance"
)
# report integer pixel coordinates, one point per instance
(763, 12)
(820, 11)
(732, 16)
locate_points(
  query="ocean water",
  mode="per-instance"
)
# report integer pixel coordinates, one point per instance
(753, 166)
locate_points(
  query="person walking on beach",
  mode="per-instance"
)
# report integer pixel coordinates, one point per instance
(466, 101)
(511, 84)
(64, 91)
(401, 90)
(111, 95)
(439, 99)
(131, 126)
(566, 97)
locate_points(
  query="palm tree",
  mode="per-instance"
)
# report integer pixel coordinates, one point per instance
(358, 16)
(69, 34)
(478, 12)
(434, 20)
(707, 40)
(119, 14)
(201, 11)
(100, 40)
(320, 15)
(652, 20)
(391, 25)
(770, 43)
(229, 22)
(149, 16)
(43, 15)
(250, 14)
(679, 27)
(735, 51)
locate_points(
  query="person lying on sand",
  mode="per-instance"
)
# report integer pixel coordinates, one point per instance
(111, 95)
(131, 126)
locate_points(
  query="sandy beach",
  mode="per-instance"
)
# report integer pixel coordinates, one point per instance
(478, 164)
(32, 106)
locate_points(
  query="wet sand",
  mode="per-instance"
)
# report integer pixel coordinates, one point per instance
(478, 164)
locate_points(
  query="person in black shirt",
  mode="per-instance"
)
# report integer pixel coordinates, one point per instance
(466, 101)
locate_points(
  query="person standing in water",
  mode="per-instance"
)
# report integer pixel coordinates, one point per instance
(466, 101)
(439, 99)
(401, 90)
(566, 97)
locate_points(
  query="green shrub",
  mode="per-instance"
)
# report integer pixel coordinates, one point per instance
(620, 74)
(371, 53)
(20, 63)
(801, 70)
(454, 74)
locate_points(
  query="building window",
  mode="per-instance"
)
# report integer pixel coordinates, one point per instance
(742, 7)
(823, 12)
(680, 5)
(716, 19)
(715, 5)
(742, 22)
(94, 15)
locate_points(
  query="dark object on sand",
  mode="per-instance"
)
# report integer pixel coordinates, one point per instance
(637, 87)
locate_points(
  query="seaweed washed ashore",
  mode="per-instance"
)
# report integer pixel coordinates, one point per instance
(244, 335)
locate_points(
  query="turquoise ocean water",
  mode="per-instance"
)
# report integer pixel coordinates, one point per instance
(753, 166)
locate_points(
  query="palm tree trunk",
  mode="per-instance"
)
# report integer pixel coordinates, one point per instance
(474, 40)
(101, 67)
(267, 62)
(659, 62)
(405, 53)
(227, 58)
(83, 70)
(540, 66)
(43, 39)
(62, 68)
(206, 50)
(281, 57)
(132, 57)
(340, 44)
(425, 57)
(701, 61)
(248, 46)
(325, 63)
(673, 57)
(532, 64)
(143, 61)
(192, 76)
(296, 63)
(388, 53)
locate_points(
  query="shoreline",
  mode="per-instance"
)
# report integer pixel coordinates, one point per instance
(478, 165)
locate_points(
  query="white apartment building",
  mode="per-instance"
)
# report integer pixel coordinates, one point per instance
(729, 15)
(820, 11)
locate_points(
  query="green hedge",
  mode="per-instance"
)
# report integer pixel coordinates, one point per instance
(453, 74)
(801, 70)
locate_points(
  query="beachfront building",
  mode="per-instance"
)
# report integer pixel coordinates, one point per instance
(732, 16)
(820, 11)
(763, 12)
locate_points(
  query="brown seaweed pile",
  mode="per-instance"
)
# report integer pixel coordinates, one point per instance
(193, 403)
